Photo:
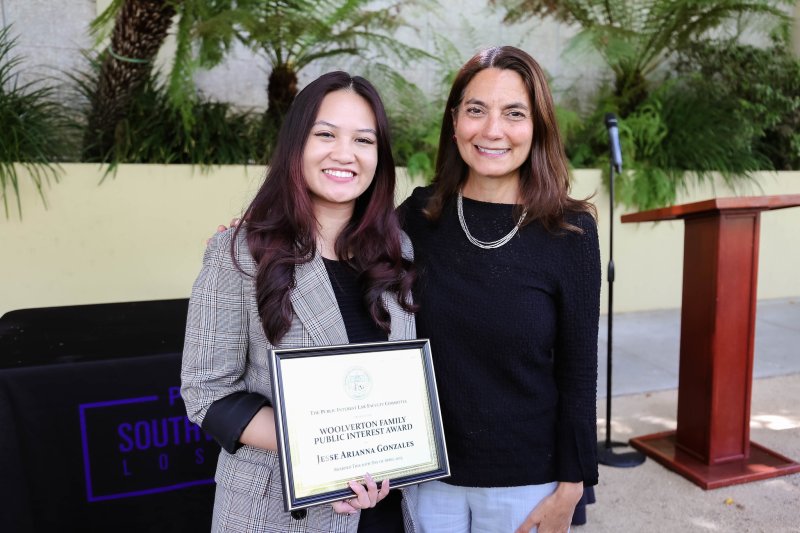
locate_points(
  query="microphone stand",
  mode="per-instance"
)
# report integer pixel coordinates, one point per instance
(605, 449)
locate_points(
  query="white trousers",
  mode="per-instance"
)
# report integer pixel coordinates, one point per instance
(446, 508)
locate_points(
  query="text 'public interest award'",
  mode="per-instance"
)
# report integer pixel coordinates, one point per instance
(343, 411)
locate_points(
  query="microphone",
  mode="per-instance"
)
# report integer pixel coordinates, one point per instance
(605, 449)
(613, 141)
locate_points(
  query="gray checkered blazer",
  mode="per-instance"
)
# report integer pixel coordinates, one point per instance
(225, 351)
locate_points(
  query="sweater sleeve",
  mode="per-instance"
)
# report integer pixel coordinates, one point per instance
(410, 211)
(576, 356)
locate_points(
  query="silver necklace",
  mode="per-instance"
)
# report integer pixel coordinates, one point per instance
(481, 244)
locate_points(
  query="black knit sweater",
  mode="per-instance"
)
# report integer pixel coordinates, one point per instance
(514, 340)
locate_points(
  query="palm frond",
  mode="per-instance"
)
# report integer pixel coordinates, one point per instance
(100, 28)
(415, 115)
(637, 37)
(154, 131)
(32, 133)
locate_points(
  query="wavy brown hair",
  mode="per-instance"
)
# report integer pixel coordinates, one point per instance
(281, 227)
(544, 176)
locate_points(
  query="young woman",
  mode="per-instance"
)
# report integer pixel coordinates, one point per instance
(321, 260)
(508, 293)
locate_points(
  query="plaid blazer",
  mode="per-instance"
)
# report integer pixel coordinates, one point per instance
(225, 351)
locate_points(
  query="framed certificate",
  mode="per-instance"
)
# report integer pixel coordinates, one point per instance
(344, 411)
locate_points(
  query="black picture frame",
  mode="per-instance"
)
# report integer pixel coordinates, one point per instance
(404, 383)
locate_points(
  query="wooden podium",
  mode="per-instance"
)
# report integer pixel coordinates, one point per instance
(711, 445)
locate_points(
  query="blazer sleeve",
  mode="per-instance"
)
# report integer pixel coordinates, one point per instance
(216, 347)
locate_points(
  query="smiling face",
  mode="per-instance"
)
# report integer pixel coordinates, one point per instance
(341, 152)
(493, 125)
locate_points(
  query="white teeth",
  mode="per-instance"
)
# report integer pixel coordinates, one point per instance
(491, 151)
(339, 173)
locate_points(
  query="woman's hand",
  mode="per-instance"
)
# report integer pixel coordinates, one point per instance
(554, 513)
(234, 223)
(364, 498)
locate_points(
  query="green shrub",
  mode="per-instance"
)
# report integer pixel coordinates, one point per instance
(415, 117)
(32, 132)
(153, 131)
(766, 84)
(415, 123)
(679, 134)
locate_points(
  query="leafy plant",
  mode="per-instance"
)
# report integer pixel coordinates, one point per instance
(289, 34)
(32, 128)
(637, 38)
(415, 117)
(153, 131)
(684, 131)
(413, 122)
(294, 34)
(124, 66)
(674, 130)
(765, 82)
(681, 133)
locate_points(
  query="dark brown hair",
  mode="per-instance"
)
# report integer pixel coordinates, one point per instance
(544, 176)
(281, 227)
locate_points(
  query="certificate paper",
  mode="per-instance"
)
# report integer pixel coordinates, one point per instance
(343, 411)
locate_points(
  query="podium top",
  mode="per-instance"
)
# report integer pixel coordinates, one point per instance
(715, 206)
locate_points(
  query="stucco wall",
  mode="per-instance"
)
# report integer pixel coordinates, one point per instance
(141, 235)
(53, 33)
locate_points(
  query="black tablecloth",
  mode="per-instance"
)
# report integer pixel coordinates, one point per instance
(99, 443)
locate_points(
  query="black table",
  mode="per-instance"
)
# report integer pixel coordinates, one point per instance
(93, 432)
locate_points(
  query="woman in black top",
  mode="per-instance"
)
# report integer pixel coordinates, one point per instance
(508, 292)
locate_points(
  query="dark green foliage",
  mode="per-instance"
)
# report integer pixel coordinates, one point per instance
(32, 132)
(688, 106)
(766, 85)
(681, 132)
(415, 122)
(674, 129)
(140, 27)
(153, 131)
(415, 118)
(636, 38)
(684, 131)
(290, 35)
(136, 29)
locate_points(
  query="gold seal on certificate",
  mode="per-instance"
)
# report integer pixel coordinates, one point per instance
(343, 411)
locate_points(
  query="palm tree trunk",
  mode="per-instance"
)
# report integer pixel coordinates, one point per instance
(139, 31)
(631, 91)
(281, 90)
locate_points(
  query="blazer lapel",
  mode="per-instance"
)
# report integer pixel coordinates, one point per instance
(315, 305)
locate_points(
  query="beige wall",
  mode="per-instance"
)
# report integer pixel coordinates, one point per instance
(140, 236)
(648, 257)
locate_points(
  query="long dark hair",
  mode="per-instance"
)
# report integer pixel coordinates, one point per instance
(544, 176)
(281, 227)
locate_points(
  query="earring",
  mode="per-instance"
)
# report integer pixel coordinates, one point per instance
(454, 137)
